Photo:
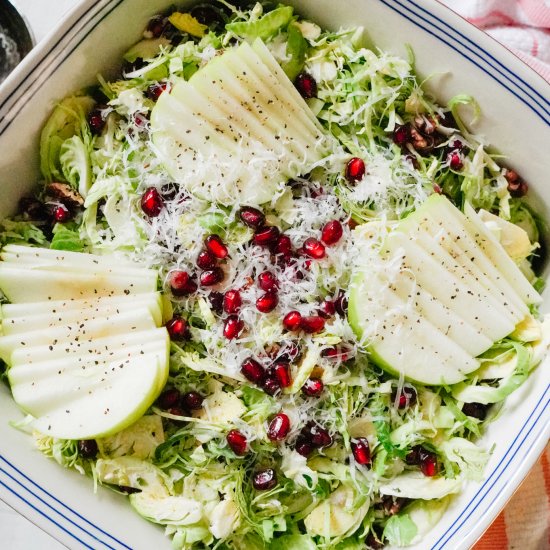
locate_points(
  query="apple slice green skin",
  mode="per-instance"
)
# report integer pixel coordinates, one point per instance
(105, 400)
(70, 383)
(517, 286)
(112, 410)
(435, 370)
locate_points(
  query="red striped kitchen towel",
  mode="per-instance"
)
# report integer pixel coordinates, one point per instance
(523, 26)
(524, 523)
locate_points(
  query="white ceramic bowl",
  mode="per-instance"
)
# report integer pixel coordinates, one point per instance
(516, 108)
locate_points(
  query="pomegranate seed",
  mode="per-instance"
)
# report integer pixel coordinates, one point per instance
(252, 217)
(313, 387)
(266, 236)
(475, 410)
(319, 437)
(206, 260)
(314, 249)
(292, 320)
(192, 400)
(327, 309)
(216, 246)
(96, 122)
(267, 281)
(232, 301)
(61, 214)
(237, 441)
(211, 277)
(341, 303)
(264, 480)
(278, 427)
(361, 451)
(267, 302)
(151, 202)
(402, 135)
(253, 371)
(407, 397)
(140, 120)
(232, 327)
(516, 186)
(428, 464)
(177, 328)
(427, 460)
(154, 90)
(282, 374)
(355, 170)
(455, 161)
(284, 245)
(169, 398)
(216, 301)
(181, 283)
(271, 385)
(312, 324)
(303, 446)
(437, 189)
(87, 448)
(518, 189)
(332, 232)
(306, 85)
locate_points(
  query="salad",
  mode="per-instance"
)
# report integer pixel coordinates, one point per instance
(285, 289)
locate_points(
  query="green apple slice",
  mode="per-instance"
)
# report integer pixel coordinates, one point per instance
(233, 132)
(29, 254)
(402, 340)
(436, 293)
(41, 321)
(25, 285)
(444, 318)
(453, 289)
(79, 330)
(460, 244)
(95, 304)
(62, 387)
(107, 345)
(21, 373)
(104, 407)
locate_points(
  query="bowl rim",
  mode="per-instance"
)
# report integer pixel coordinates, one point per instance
(431, 16)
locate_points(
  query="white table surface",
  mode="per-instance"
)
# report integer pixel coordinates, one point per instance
(17, 533)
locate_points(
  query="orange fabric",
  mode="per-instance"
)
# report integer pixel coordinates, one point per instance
(495, 537)
(525, 522)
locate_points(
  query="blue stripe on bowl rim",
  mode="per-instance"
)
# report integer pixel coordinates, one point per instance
(462, 46)
(509, 457)
(51, 60)
(50, 501)
(49, 518)
(482, 63)
(475, 49)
